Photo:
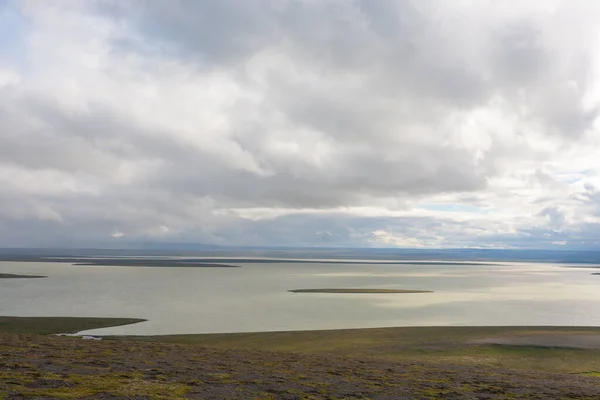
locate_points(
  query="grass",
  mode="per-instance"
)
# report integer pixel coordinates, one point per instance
(432, 344)
(86, 386)
(426, 362)
(55, 325)
(456, 345)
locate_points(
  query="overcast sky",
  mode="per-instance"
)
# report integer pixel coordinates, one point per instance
(424, 123)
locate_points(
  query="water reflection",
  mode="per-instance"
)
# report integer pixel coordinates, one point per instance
(255, 297)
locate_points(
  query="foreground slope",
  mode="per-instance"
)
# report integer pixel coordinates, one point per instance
(49, 367)
(387, 363)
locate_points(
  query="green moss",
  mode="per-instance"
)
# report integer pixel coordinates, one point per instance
(77, 386)
(10, 377)
(457, 345)
(80, 386)
(220, 376)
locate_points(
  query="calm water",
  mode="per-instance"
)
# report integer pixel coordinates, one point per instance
(255, 297)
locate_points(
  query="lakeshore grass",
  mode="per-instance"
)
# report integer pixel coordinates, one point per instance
(55, 325)
(458, 345)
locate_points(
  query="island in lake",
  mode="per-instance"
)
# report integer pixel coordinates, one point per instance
(342, 290)
(145, 262)
(121, 261)
(16, 276)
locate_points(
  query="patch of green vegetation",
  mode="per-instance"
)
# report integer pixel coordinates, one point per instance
(521, 357)
(79, 386)
(458, 345)
(14, 378)
(66, 368)
(435, 393)
(220, 375)
(55, 325)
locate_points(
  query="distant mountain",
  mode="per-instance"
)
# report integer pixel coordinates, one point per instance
(202, 250)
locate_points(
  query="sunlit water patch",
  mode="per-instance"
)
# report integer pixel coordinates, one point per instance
(256, 298)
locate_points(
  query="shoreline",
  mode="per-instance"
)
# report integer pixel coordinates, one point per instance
(60, 325)
(26, 325)
(411, 338)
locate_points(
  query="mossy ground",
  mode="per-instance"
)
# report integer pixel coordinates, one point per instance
(47, 367)
(457, 345)
(399, 363)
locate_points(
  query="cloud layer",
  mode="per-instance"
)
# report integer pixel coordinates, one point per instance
(302, 123)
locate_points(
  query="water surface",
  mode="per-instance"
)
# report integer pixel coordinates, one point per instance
(256, 298)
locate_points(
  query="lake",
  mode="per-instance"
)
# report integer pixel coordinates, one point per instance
(255, 297)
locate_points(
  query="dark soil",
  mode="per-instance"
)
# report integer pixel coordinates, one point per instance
(49, 367)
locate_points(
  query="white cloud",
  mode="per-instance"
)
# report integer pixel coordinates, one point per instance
(398, 123)
(9, 78)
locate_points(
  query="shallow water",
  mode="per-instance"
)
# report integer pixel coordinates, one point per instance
(256, 298)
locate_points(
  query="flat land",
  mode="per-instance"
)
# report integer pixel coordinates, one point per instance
(341, 290)
(16, 276)
(387, 363)
(462, 345)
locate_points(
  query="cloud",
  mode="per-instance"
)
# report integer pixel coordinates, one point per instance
(362, 123)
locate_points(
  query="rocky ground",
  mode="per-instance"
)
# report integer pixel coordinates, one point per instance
(50, 367)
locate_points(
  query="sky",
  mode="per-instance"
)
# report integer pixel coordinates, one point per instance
(354, 123)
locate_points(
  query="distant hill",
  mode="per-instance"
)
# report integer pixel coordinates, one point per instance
(203, 250)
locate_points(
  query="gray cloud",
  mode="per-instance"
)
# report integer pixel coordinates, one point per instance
(173, 120)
